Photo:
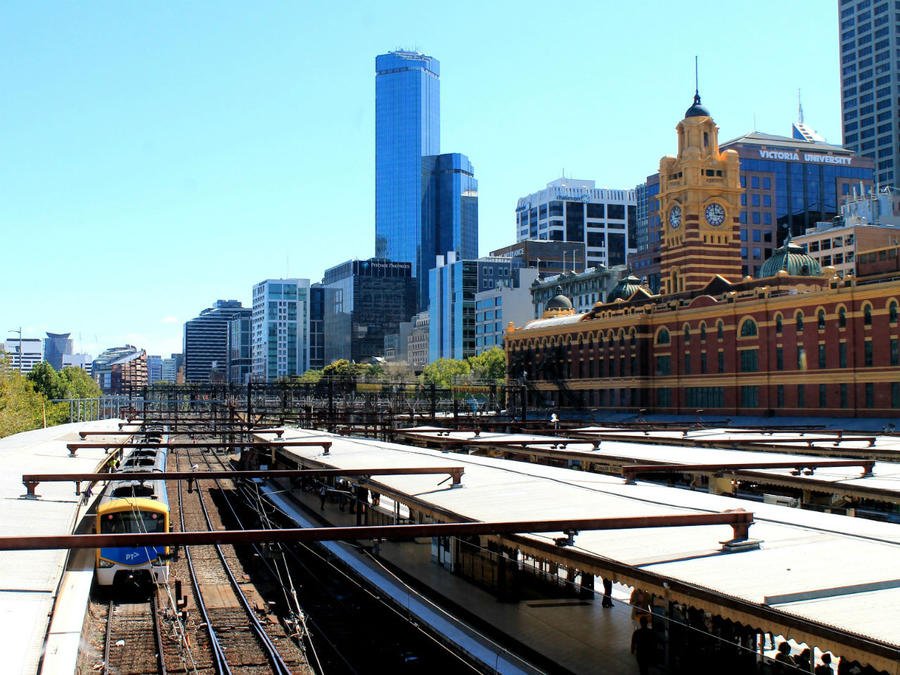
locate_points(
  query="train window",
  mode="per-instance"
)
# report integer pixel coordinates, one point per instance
(132, 521)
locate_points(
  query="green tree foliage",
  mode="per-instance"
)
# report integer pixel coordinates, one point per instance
(309, 377)
(441, 372)
(345, 370)
(78, 384)
(489, 366)
(20, 404)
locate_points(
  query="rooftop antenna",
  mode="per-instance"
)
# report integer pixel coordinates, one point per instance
(696, 79)
(799, 106)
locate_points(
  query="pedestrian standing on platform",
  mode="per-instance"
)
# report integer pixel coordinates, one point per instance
(322, 493)
(784, 662)
(607, 592)
(554, 421)
(825, 667)
(643, 646)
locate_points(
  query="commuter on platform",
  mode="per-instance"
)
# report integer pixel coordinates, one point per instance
(825, 668)
(784, 657)
(803, 660)
(643, 646)
(554, 420)
(322, 494)
(607, 592)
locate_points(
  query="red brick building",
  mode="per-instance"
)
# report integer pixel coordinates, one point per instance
(798, 339)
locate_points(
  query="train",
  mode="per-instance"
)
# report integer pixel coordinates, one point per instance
(135, 506)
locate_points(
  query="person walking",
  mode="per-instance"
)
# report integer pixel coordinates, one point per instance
(322, 494)
(643, 646)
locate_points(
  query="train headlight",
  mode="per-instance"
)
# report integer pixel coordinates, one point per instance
(158, 562)
(105, 563)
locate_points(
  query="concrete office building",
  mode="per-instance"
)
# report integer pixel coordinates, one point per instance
(547, 257)
(869, 41)
(574, 210)
(23, 355)
(498, 306)
(121, 370)
(280, 329)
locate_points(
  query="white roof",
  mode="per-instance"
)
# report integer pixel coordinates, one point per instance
(801, 551)
(30, 578)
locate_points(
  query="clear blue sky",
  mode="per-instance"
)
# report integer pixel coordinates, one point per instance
(156, 156)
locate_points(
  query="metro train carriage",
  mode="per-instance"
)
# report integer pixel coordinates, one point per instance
(134, 506)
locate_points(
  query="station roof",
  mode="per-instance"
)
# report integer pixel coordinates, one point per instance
(31, 578)
(804, 555)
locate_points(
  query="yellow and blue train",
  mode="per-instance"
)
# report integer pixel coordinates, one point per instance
(135, 506)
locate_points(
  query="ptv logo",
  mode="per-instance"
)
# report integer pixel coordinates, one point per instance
(132, 556)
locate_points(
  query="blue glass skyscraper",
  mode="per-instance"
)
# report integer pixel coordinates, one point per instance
(426, 203)
(407, 127)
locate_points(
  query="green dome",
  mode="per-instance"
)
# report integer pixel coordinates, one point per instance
(793, 260)
(559, 301)
(625, 288)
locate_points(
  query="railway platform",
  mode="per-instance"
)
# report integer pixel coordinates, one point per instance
(39, 585)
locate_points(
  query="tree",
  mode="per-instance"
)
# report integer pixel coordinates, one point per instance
(441, 372)
(489, 366)
(309, 377)
(46, 381)
(20, 404)
(78, 384)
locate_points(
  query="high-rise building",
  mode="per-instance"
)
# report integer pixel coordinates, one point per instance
(574, 210)
(496, 307)
(55, 346)
(239, 350)
(23, 355)
(364, 301)
(280, 329)
(407, 128)
(317, 327)
(170, 368)
(453, 286)
(426, 203)
(82, 361)
(206, 339)
(870, 79)
(120, 370)
(154, 368)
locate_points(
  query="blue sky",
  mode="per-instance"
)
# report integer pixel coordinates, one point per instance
(157, 156)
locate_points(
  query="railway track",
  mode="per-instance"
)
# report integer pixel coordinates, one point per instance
(239, 640)
(133, 643)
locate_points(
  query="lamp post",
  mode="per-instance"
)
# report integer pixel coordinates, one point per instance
(19, 331)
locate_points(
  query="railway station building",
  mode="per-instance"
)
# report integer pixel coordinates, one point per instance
(796, 337)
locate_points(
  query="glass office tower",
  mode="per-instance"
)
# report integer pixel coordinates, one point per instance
(407, 128)
(869, 83)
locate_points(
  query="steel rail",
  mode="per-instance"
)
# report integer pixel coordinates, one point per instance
(740, 522)
(629, 471)
(157, 634)
(221, 663)
(266, 642)
(115, 445)
(31, 481)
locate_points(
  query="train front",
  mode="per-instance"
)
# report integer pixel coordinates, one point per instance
(134, 566)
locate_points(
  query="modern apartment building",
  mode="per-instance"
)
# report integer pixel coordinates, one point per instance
(280, 329)
(121, 370)
(869, 41)
(206, 339)
(574, 210)
(506, 302)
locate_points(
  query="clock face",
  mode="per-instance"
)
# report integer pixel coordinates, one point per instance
(715, 214)
(675, 216)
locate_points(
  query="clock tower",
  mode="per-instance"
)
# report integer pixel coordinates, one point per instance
(700, 207)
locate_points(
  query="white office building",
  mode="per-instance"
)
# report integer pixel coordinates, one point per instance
(280, 329)
(574, 210)
(23, 355)
(509, 300)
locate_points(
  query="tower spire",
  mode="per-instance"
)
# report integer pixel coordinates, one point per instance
(799, 107)
(696, 81)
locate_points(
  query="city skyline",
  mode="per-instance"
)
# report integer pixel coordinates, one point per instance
(173, 147)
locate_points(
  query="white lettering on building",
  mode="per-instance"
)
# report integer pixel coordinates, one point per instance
(816, 158)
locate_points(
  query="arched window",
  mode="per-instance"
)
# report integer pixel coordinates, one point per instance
(779, 324)
(821, 319)
(702, 332)
(842, 317)
(720, 329)
(799, 319)
(892, 311)
(867, 315)
(687, 334)
(705, 139)
(748, 328)
(662, 337)
(632, 334)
